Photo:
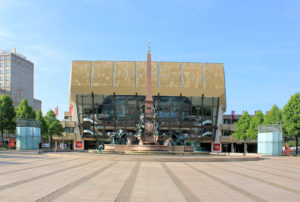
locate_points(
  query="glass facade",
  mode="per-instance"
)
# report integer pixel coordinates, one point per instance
(196, 116)
(69, 130)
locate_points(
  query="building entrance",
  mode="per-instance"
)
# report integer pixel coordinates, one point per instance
(89, 145)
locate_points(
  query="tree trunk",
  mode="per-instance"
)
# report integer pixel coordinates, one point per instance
(2, 138)
(296, 145)
(245, 148)
(50, 137)
(9, 141)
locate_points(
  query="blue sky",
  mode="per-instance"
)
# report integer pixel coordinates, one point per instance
(258, 42)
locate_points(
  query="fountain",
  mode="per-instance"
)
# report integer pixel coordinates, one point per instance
(147, 129)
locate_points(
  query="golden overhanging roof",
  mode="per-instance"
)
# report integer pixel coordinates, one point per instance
(129, 78)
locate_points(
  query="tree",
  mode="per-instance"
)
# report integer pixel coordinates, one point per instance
(7, 115)
(53, 126)
(242, 125)
(39, 117)
(258, 119)
(24, 111)
(274, 116)
(291, 118)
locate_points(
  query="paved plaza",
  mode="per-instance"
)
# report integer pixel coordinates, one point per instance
(91, 177)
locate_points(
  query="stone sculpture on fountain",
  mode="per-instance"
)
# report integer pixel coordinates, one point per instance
(148, 128)
(118, 137)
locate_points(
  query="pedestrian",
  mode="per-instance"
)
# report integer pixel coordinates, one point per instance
(100, 149)
(287, 150)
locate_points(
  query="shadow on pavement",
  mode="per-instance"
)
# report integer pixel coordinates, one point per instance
(9, 163)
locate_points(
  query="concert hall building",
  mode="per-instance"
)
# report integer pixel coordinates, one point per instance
(191, 99)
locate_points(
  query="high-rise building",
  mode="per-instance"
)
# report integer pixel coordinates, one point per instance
(17, 78)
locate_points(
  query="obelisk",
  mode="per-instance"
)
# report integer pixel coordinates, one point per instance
(149, 107)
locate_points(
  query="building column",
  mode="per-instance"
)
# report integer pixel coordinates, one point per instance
(158, 106)
(169, 109)
(202, 116)
(232, 147)
(136, 109)
(115, 113)
(104, 118)
(93, 111)
(180, 112)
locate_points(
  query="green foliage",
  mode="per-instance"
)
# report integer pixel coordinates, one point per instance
(274, 116)
(53, 125)
(258, 119)
(25, 111)
(39, 117)
(242, 125)
(291, 116)
(7, 115)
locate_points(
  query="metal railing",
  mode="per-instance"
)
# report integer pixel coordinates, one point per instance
(28, 123)
(269, 128)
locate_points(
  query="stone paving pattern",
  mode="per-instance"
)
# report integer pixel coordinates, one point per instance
(82, 177)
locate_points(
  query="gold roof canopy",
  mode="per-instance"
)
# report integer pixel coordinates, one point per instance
(129, 78)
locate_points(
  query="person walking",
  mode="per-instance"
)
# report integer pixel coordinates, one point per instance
(100, 148)
(283, 150)
(287, 149)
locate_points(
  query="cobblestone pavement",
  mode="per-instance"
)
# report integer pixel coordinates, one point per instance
(83, 177)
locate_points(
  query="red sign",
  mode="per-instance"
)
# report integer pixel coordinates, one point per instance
(12, 143)
(216, 146)
(79, 144)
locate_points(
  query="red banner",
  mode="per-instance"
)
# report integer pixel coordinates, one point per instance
(232, 114)
(56, 111)
(79, 144)
(217, 147)
(70, 110)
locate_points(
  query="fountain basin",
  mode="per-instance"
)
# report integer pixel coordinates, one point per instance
(147, 148)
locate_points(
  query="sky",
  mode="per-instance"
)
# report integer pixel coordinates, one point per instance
(257, 41)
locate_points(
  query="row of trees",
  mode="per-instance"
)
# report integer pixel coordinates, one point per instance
(289, 117)
(9, 114)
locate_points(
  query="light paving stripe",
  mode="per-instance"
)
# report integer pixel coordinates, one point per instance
(268, 172)
(126, 191)
(52, 196)
(288, 166)
(19, 156)
(185, 191)
(277, 168)
(231, 186)
(7, 186)
(260, 180)
(10, 162)
(16, 162)
(38, 166)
